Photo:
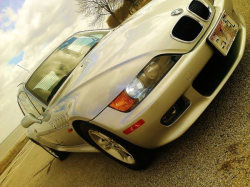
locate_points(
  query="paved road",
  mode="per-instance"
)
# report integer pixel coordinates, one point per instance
(215, 151)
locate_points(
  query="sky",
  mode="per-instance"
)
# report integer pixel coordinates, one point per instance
(29, 29)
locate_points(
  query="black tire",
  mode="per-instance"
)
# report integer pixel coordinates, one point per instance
(140, 156)
(57, 154)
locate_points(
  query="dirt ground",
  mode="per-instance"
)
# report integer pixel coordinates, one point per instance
(215, 151)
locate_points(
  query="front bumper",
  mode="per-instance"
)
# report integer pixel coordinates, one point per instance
(178, 82)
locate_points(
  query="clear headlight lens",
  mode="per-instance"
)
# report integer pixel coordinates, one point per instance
(144, 82)
(135, 89)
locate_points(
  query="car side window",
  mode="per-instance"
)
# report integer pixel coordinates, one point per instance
(29, 105)
(36, 105)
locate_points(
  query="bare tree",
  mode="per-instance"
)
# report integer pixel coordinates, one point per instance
(99, 9)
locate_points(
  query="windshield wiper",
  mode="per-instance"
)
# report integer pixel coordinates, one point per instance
(91, 48)
(53, 92)
(59, 84)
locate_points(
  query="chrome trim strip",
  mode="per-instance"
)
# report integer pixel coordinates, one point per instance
(183, 41)
(204, 3)
(60, 122)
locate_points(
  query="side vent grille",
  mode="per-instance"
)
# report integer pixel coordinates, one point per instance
(60, 122)
(187, 29)
(200, 10)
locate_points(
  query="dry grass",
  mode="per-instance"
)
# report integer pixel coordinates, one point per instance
(12, 153)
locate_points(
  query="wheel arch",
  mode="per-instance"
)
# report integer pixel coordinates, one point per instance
(76, 126)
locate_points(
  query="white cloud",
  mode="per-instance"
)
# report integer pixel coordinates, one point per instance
(40, 26)
(10, 114)
(10, 14)
(8, 17)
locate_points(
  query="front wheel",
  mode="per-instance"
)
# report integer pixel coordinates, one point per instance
(124, 152)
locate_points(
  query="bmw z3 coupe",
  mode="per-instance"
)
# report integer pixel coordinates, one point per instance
(140, 86)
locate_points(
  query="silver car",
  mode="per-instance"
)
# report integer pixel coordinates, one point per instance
(140, 86)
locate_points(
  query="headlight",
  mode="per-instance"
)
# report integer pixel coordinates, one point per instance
(135, 89)
(144, 82)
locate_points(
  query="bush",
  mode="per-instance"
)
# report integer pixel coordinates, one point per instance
(112, 23)
(121, 14)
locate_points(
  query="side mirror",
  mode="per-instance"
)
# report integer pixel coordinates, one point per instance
(28, 120)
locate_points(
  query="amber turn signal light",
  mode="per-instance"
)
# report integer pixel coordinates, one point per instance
(123, 102)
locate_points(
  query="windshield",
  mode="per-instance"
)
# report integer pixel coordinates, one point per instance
(48, 77)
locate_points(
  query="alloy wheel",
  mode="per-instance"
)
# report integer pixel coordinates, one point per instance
(111, 147)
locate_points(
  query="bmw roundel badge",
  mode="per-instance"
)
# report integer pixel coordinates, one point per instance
(177, 12)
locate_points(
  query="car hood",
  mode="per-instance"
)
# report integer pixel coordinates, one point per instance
(122, 54)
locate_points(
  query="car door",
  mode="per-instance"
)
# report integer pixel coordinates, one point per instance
(54, 126)
(29, 106)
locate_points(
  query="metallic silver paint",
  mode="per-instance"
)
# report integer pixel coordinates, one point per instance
(114, 63)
